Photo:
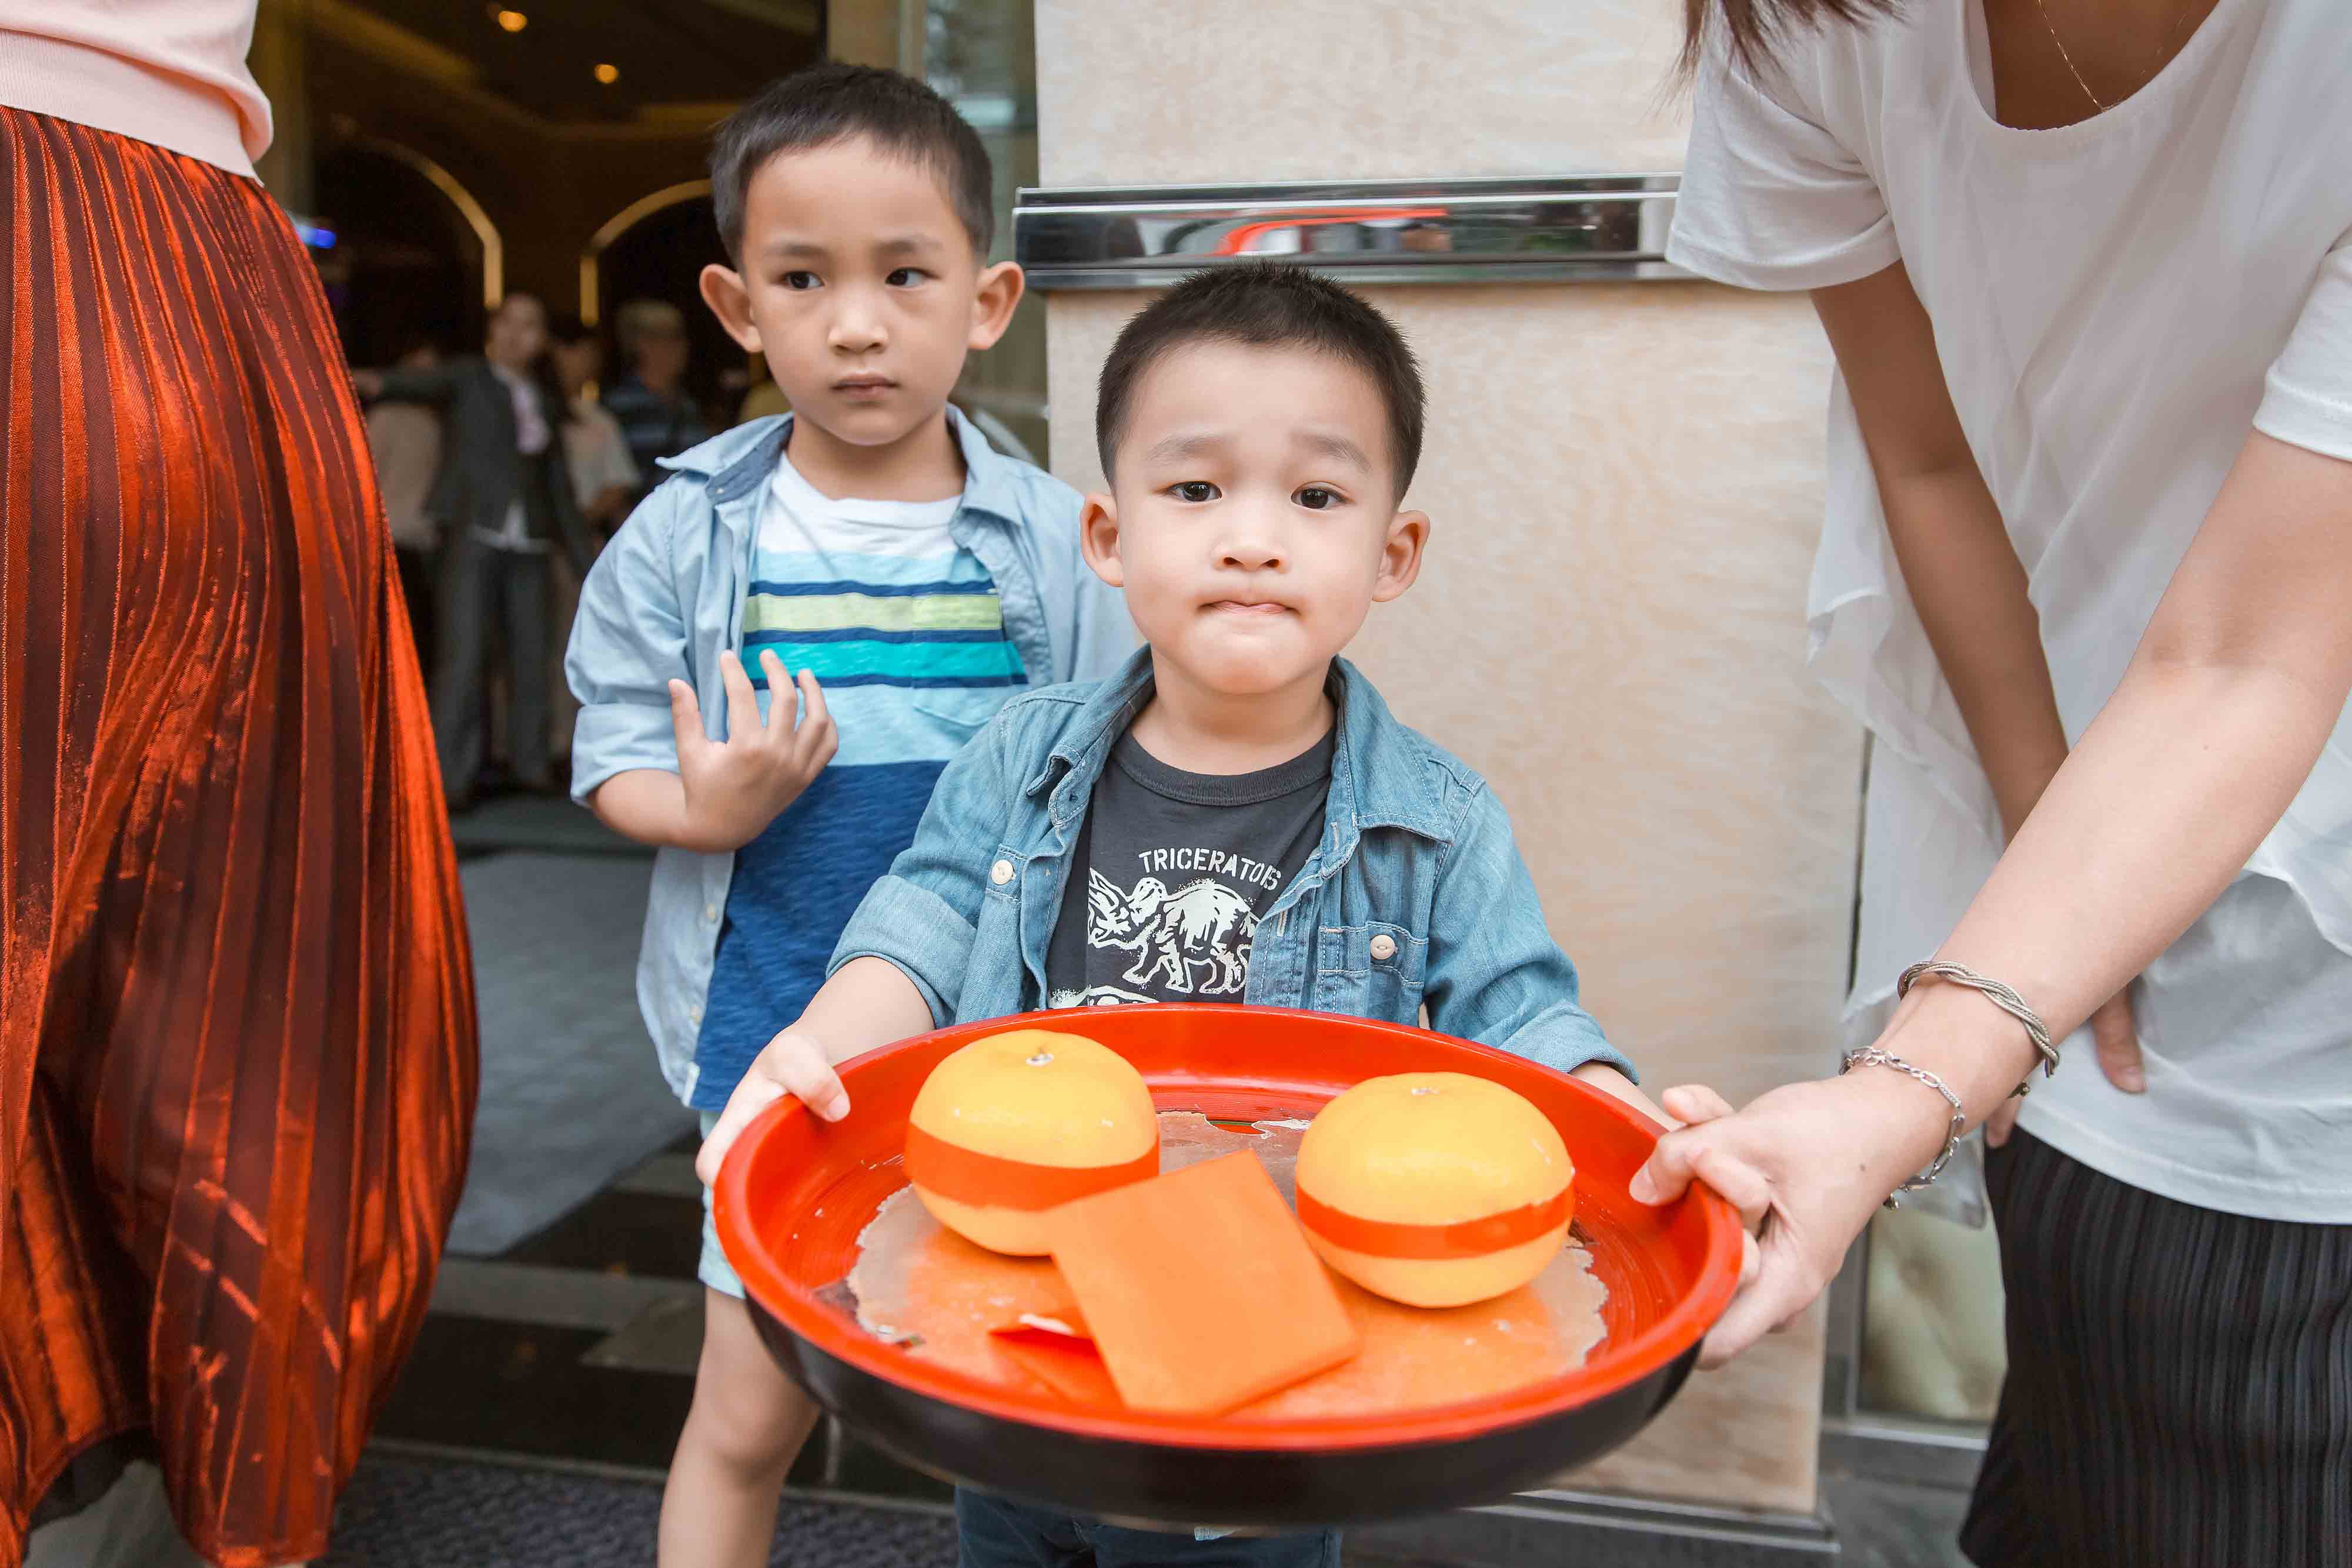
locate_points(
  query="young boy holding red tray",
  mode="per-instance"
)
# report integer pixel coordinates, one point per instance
(1236, 816)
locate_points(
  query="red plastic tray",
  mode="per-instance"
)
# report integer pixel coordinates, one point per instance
(796, 1193)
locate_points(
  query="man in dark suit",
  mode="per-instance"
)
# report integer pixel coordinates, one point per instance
(504, 501)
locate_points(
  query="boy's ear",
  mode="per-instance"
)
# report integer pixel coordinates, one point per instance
(1400, 555)
(998, 291)
(723, 291)
(1098, 537)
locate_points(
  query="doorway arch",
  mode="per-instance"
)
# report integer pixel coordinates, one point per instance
(591, 292)
(415, 254)
(656, 248)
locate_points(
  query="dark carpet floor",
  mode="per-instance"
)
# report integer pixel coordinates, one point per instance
(403, 1512)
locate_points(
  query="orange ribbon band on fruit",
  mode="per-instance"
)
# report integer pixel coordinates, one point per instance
(991, 1181)
(1469, 1238)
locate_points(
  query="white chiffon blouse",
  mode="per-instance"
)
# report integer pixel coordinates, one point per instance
(2117, 304)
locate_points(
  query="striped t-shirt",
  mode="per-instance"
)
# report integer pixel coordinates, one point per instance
(903, 635)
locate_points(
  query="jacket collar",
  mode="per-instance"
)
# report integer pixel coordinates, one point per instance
(737, 462)
(1380, 776)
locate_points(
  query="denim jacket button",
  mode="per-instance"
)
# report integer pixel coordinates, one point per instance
(1383, 946)
(1001, 873)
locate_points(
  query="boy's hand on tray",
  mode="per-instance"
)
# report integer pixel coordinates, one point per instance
(792, 1063)
(735, 788)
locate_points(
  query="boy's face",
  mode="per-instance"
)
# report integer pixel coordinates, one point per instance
(858, 282)
(1252, 520)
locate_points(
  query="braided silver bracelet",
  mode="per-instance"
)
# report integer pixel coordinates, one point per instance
(2000, 996)
(1872, 1056)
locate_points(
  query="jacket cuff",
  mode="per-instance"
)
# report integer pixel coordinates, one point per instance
(619, 737)
(917, 931)
(1565, 1044)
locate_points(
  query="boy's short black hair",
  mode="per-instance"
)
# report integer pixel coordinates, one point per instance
(1266, 305)
(566, 327)
(830, 103)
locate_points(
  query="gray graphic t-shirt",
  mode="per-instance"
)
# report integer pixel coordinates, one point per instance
(1171, 873)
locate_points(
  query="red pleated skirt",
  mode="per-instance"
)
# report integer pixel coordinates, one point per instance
(236, 1019)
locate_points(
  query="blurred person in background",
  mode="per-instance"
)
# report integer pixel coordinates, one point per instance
(656, 413)
(237, 1013)
(766, 398)
(604, 482)
(405, 440)
(505, 499)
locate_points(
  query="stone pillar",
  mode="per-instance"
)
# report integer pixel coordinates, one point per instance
(276, 60)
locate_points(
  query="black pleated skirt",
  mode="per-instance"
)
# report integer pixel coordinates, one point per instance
(2180, 1388)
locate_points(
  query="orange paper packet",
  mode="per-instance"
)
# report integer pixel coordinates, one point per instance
(1057, 1349)
(1198, 1288)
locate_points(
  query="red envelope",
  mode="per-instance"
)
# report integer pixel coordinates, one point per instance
(1057, 1349)
(1198, 1288)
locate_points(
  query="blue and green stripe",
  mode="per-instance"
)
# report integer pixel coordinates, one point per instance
(851, 633)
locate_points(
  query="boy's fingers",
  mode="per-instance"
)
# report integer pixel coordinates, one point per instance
(814, 713)
(814, 1084)
(2003, 1117)
(779, 711)
(751, 1097)
(685, 717)
(742, 703)
(817, 739)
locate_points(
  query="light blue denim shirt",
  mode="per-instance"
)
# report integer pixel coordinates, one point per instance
(666, 598)
(1415, 849)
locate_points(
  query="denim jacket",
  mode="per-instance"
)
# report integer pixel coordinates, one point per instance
(1415, 896)
(666, 598)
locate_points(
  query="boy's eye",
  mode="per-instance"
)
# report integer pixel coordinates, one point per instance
(907, 276)
(1316, 498)
(1195, 490)
(799, 282)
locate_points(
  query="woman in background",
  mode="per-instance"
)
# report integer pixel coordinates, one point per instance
(405, 439)
(605, 482)
(236, 1019)
(2086, 270)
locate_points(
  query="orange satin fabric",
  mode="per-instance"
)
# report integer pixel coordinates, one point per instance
(236, 1021)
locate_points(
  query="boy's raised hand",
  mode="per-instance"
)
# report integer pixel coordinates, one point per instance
(792, 1063)
(734, 787)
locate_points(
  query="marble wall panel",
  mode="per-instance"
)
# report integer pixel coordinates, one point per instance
(1626, 485)
(1136, 93)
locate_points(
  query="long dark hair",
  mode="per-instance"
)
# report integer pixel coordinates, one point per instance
(1754, 29)
(562, 327)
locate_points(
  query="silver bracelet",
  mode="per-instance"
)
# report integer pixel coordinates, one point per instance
(1872, 1056)
(2001, 997)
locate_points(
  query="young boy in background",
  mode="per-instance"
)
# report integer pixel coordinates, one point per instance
(1259, 426)
(870, 549)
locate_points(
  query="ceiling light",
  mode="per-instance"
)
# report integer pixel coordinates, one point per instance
(608, 73)
(513, 21)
